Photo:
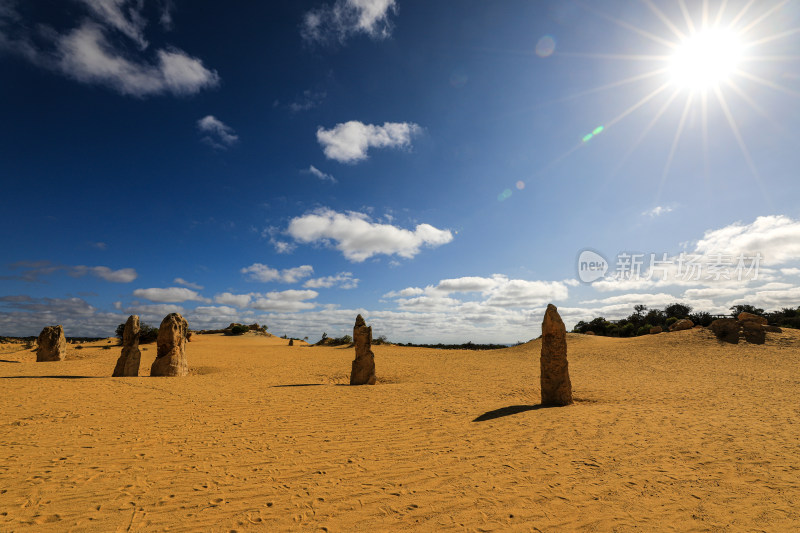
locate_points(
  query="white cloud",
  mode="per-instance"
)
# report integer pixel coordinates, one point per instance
(125, 18)
(86, 54)
(181, 281)
(344, 18)
(219, 135)
(123, 275)
(790, 271)
(263, 273)
(349, 142)
(657, 211)
(498, 291)
(227, 298)
(169, 294)
(321, 175)
(287, 301)
(358, 238)
(344, 280)
(34, 270)
(777, 238)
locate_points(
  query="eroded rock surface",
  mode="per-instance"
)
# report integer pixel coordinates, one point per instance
(52, 344)
(171, 351)
(129, 359)
(681, 325)
(555, 382)
(363, 371)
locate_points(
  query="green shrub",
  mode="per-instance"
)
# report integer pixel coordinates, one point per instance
(239, 329)
(671, 320)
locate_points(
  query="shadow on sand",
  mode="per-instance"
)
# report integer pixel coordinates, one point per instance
(510, 410)
(7, 361)
(49, 377)
(299, 385)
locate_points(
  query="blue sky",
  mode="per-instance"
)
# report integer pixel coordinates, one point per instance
(423, 163)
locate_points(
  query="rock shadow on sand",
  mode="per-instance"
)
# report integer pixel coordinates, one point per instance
(510, 410)
(49, 377)
(299, 385)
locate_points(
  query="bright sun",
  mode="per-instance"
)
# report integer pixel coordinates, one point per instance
(705, 59)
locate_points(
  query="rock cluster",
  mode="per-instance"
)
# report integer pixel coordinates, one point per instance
(555, 382)
(171, 350)
(128, 362)
(52, 344)
(655, 329)
(752, 328)
(363, 371)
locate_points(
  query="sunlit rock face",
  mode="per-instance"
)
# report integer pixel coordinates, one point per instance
(363, 372)
(171, 351)
(52, 344)
(556, 385)
(129, 359)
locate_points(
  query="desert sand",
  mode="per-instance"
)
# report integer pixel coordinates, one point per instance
(668, 432)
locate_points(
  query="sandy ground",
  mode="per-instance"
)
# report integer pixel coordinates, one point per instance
(670, 432)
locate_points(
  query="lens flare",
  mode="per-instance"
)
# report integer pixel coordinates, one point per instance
(546, 46)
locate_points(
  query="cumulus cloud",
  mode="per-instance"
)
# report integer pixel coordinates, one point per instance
(358, 238)
(169, 294)
(496, 291)
(34, 271)
(123, 275)
(86, 54)
(125, 18)
(181, 281)
(776, 238)
(342, 280)
(291, 301)
(349, 142)
(227, 298)
(344, 18)
(263, 273)
(218, 135)
(314, 171)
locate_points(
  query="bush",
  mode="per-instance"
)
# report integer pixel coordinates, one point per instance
(147, 333)
(239, 329)
(702, 318)
(671, 320)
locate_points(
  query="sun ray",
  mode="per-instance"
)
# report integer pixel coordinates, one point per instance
(668, 23)
(759, 59)
(646, 130)
(686, 16)
(704, 126)
(631, 27)
(721, 11)
(630, 57)
(738, 17)
(758, 109)
(740, 140)
(763, 16)
(705, 14)
(637, 105)
(607, 86)
(766, 83)
(775, 37)
(686, 108)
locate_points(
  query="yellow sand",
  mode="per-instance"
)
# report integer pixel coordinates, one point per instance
(670, 431)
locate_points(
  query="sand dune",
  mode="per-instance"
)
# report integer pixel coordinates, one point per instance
(669, 432)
